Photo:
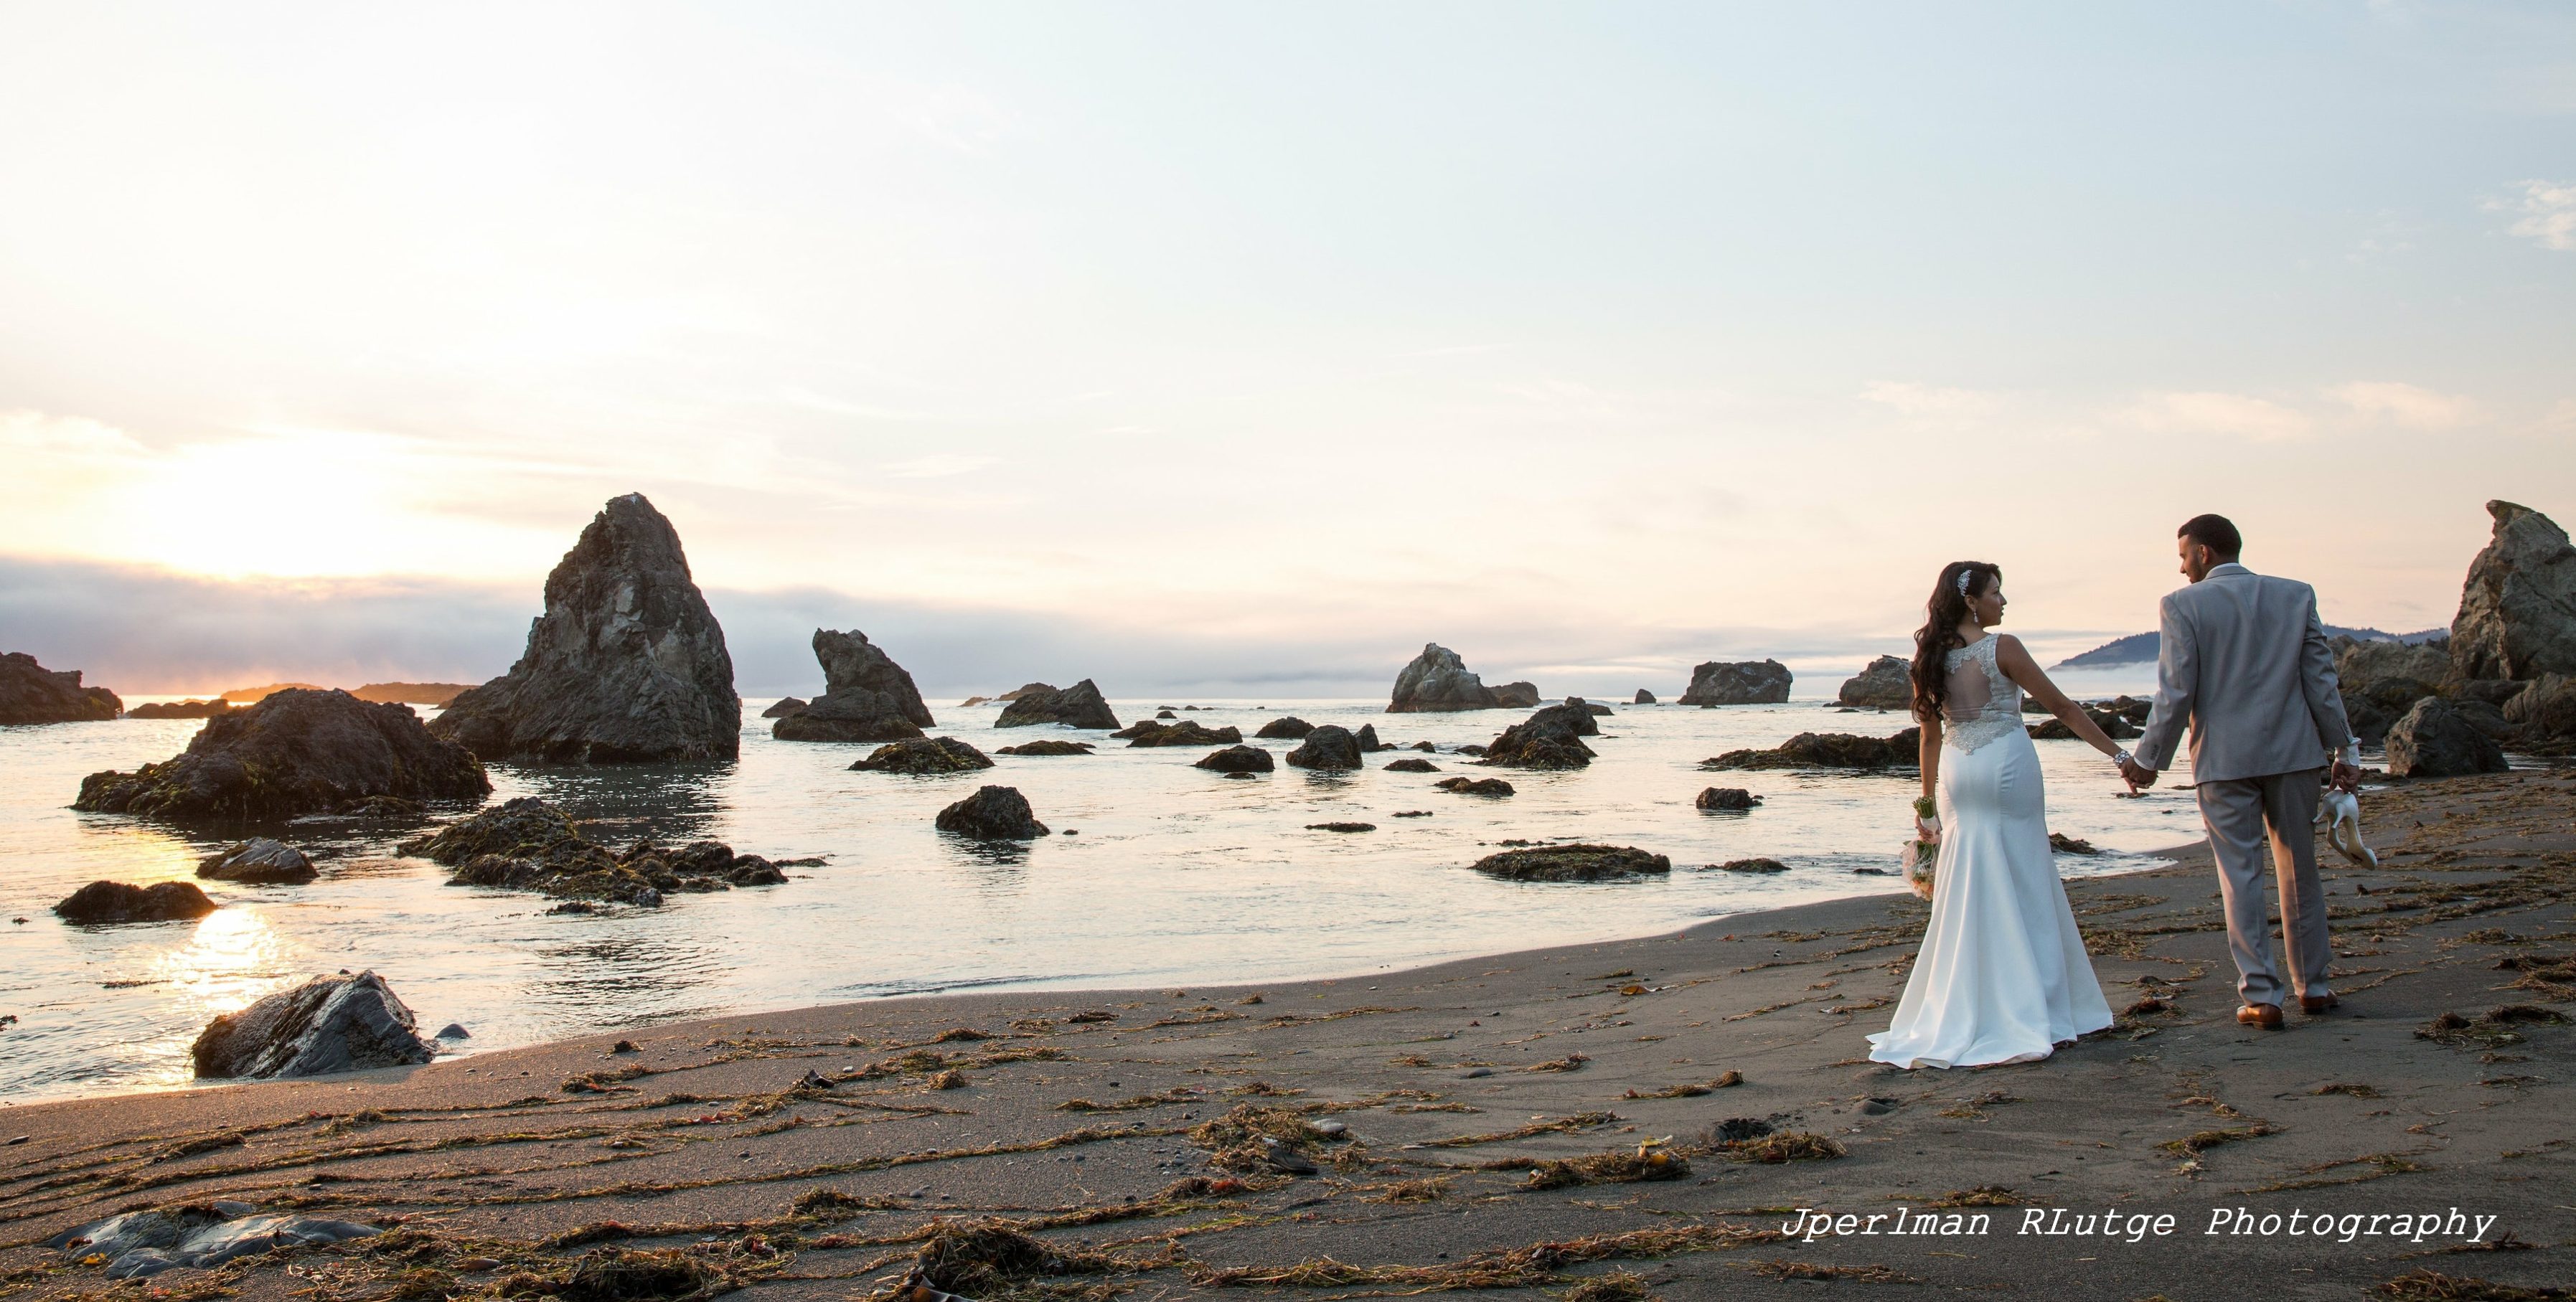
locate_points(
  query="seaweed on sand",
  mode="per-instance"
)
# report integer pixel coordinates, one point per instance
(1622, 1167)
(1536, 1264)
(1561, 1125)
(1788, 1146)
(987, 1259)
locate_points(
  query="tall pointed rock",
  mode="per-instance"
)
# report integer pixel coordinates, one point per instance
(866, 695)
(627, 665)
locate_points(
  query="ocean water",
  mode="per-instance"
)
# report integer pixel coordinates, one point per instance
(1161, 875)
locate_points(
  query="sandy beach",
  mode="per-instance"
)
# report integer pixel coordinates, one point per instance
(1643, 1118)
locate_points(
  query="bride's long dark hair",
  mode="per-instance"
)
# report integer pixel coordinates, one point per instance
(1939, 635)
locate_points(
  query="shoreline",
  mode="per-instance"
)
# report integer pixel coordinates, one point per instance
(1077, 1116)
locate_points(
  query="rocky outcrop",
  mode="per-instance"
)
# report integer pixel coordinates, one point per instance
(1187, 732)
(31, 693)
(1237, 759)
(1436, 682)
(1729, 799)
(919, 755)
(1049, 746)
(2116, 727)
(626, 665)
(179, 709)
(786, 705)
(1517, 696)
(1024, 689)
(1753, 865)
(102, 903)
(1475, 786)
(529, 845)
(1366, 739)
(328, 1024)
(1594, 708)
(2382, 680)
(1412, 766)
(1827, 750)
(1328, 748)
(1644, 697)
(260, 861)
(1573, 863)
(195, 1236)
(1886, 684)
(2432, 740)
(866, 696)
(296, 752)
(2518, 609)
(1290, 728)
(255, 695)
(992, 814)
(437, 694)
(1738, 682)
(1549, 739)
(2543, 715)
(1078, 706)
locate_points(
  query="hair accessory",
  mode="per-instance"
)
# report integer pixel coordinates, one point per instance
(1966, 577)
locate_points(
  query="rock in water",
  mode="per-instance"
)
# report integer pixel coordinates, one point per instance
(2433, 740)
(924, 755)
(1237, 759)
(1644, 697)
(1290, 728)
(106, 902)
(1438, 682)
(1188, 732)
(788, 705)
(1078, 706)
(1572, 863)
(1412, 766)
(992, 814)
(327, 1024)
(529, 845)
(1549, 739)
(1887, 684)
(260, 861)
(1726, 798)
(1050, 746)
(866, 696)
(2518, 609)
(31, 693)
(1517, 696)
(2382, 680)
(1327, 748)
(627, 665)
(179, 709)
(2115, 726)
(296, 752)
(1475, 786)
(1738, 682)
(1827, 750)
(1366, 739)
(1594, 708)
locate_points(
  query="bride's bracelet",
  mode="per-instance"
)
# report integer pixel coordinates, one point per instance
(2121, 757)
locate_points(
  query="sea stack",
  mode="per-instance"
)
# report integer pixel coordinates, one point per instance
(1738, 682)
(866, 696)
(1437, 682)
(296, 752)
(1078, 706)
(2517, 615)
(627, 665)
(1886, 684)
(31, 693)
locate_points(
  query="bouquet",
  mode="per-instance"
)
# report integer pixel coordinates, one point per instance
(1923, 850)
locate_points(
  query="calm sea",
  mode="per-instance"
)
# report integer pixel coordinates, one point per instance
(1162, 875)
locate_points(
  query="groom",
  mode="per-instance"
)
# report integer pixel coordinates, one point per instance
(2244, 659)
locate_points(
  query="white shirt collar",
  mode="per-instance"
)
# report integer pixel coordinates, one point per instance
(2227, 569)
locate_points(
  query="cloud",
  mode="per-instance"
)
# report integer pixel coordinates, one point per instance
(2406, 404)
(2547, 213)
(938, 465)
(1923, 400)
(2218, 413)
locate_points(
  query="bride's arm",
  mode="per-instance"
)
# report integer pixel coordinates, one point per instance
(1927, 752)
(2019, 667)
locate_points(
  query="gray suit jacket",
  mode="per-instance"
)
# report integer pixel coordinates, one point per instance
(2245, 662)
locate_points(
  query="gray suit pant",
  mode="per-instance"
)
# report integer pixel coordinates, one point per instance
(2271, 817)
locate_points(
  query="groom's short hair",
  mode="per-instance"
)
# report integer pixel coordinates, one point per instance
(2214, 532)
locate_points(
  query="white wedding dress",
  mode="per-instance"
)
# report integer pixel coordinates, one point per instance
(2002, 976)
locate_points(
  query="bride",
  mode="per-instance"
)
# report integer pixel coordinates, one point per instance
(2002, 975)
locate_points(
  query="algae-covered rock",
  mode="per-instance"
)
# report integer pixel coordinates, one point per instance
(924, 755)
(296, 752)
(1573, 863)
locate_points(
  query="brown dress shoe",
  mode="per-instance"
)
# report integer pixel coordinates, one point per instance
(2314, 1005)
(2267, 1016)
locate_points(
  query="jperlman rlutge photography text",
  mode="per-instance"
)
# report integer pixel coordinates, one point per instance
(1812, 1223)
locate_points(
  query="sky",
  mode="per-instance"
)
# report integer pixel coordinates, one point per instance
(1249, 347)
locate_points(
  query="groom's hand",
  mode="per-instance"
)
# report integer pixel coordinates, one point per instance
(2138, 774)
(2345, 776)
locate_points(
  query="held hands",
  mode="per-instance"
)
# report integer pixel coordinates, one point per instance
(2137, 775)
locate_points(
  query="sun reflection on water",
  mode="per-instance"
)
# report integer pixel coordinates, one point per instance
(234, 958)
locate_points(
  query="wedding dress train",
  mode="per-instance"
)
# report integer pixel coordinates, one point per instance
(2002, 975)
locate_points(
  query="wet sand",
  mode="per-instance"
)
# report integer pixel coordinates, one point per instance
(1083, 1120)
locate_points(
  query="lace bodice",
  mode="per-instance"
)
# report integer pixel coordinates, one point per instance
(1983, 704)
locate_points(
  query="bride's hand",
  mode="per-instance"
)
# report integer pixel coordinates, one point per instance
(1927, 829)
